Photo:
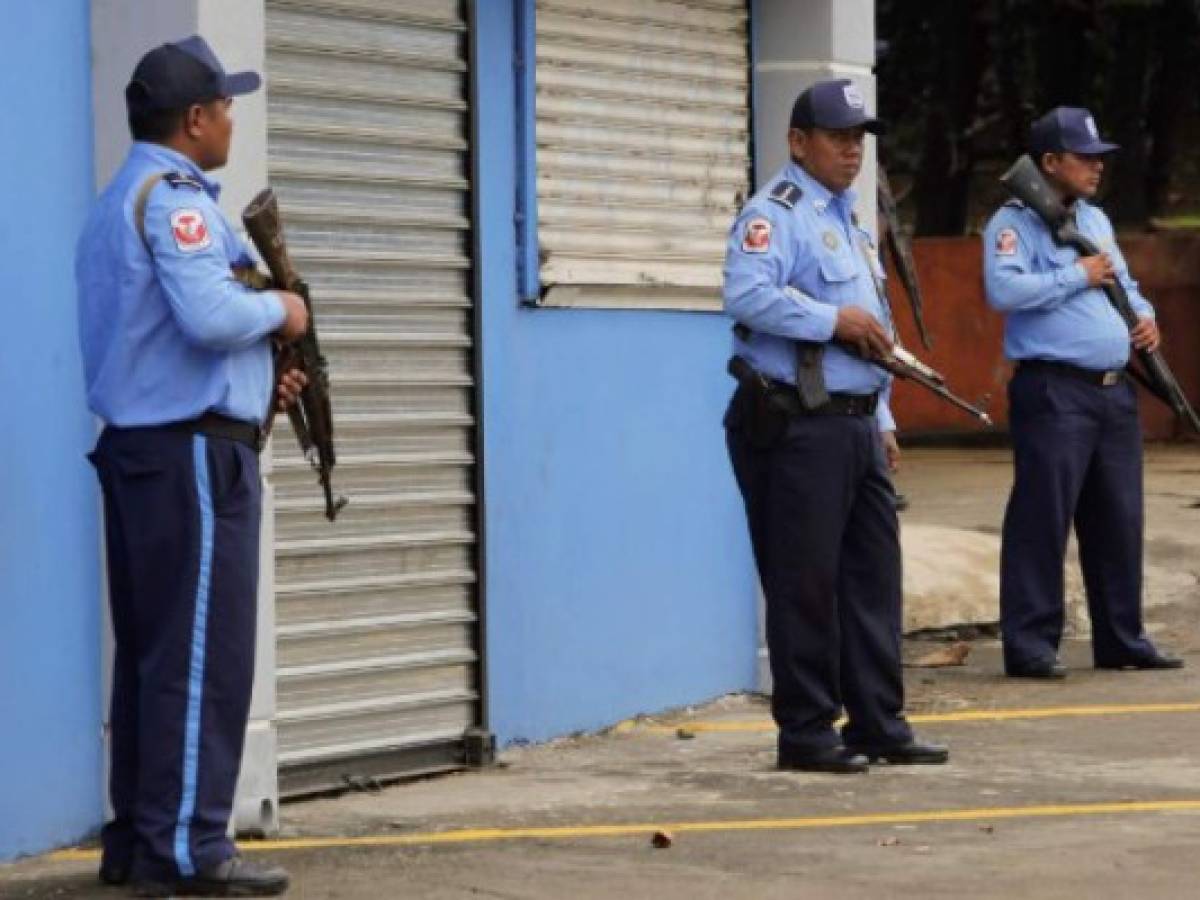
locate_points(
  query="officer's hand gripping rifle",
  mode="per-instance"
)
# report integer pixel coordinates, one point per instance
(1026, 182)
(312, 416)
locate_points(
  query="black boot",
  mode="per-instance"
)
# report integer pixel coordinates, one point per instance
(233, 878)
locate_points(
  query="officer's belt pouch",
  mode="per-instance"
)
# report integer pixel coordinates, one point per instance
(810, 375)
(758, 412)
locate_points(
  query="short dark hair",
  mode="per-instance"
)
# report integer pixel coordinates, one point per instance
(147, 123)
(155, 125)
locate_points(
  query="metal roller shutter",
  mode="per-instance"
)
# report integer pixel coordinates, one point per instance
(377, 614)
(642, 126)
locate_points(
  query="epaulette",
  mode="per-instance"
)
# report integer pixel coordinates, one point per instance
(1014, 202)
(178, 180)
(786, 193)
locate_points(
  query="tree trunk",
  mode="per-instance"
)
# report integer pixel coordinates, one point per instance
(1063, 47)
(1013, 64)
(944, 174)
(1171, 93)
(1131, 26)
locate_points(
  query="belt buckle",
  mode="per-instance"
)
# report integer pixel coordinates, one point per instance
(1110, 378)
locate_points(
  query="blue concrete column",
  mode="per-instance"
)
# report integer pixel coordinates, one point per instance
(618, 574)
(49, 513)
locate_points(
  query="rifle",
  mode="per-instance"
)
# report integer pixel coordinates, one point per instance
(312, 416)
(898, 361)
(1026, 182)
(898, 245)
(904, 365)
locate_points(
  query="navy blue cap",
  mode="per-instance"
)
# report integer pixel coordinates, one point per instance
(833, 104)
(1069, 128)
(178, 74)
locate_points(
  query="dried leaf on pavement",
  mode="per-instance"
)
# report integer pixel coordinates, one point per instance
(954, 655)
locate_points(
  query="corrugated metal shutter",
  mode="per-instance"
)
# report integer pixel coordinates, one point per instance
(377, 614)
(642, 127)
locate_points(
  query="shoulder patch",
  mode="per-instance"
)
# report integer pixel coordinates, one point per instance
(189, 230)
(178, 180)
(1006, 242)
(786, 193)
(756, 237)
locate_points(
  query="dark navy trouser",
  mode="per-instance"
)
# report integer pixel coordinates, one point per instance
(821, 511)
(1077, 452)
(182, 518)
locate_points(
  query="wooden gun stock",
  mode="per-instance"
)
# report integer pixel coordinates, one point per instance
(312, 416)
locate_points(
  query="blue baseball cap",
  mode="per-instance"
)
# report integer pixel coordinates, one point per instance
(1068, 128)
(180, 73)
(833, 104)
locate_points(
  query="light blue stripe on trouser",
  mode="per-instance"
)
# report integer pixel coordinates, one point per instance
(191, 736)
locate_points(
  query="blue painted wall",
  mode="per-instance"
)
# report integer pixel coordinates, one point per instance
(619, 578)
(50, 752)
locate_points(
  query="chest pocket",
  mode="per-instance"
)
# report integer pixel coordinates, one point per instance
(1060, 257)
(839, 276)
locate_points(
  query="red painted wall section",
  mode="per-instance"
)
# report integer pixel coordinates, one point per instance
(968, 336)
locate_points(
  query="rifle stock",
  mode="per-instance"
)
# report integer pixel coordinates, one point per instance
(312, 416)
(1026, 182)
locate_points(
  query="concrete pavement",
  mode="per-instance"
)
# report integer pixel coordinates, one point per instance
(1088, 788)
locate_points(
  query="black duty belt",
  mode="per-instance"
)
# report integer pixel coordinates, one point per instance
(1100, 377)
(215, 425)
(839, 404)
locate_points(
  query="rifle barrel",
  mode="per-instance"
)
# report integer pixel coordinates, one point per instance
(909, 374)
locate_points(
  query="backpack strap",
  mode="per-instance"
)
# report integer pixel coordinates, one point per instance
(175, 180)
(140, 204)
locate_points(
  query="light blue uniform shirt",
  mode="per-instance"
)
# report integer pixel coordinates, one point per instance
(1050, 312)
(788, 269)
(168, 334)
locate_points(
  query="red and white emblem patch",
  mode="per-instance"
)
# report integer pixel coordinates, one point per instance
(757, 236)
(1006, 243)
(190, 230)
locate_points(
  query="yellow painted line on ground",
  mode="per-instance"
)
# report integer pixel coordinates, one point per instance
(966, 715)
(565, 832)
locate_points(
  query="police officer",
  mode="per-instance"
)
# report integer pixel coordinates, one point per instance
(812, 440)
(178, 364)
(1073, 413)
